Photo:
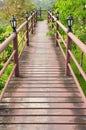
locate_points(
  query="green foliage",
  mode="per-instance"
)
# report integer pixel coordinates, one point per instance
(76, 8)
(16, 8)
(8, 51)
(2, 31)
(4, 78)
(52, 32)
(41, 19)
(52, 29)
(5, 31)
(2, 82)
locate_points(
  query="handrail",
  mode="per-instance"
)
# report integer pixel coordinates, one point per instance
(21, 26)
(13, 38)
(70, 38)
(79, 43)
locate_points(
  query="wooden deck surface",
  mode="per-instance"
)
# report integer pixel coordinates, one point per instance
(42, 98)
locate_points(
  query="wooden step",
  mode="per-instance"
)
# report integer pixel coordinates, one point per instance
(42, 97)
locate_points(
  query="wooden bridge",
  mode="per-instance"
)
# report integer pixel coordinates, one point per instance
(44, 93)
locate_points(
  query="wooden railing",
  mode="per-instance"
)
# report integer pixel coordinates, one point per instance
(20, 38)
(70, 37)
(42, 13)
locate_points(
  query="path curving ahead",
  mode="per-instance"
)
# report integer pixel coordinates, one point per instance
(42, 98)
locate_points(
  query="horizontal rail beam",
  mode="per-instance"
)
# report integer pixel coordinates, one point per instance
(70, 37)
(20, 28)
(80, 44)
(32, 20)
(77, 64)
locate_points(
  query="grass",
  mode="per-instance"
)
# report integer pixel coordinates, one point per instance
(79, 77)
(77, 55)
(5, 76)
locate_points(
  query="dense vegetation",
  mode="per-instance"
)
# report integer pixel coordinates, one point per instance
(7, 9)
(78, 10)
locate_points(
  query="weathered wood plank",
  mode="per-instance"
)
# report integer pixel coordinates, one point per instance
(42, 97)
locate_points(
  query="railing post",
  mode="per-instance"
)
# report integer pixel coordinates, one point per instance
(57, 28)
(36, 16)
(48, 16)
(32, 22)
(27, 34)
(68, 55)
(34, 19)
(52, 20)
(16, 61)
(40, 12)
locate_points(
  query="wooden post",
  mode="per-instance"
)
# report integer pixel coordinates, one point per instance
(57, 28)
(48, 17)
(52, 20)
(34, 19)
(16, 61)
(68, 55)
(27, 34)
(32, 23)
(36, 16)
(40, 12)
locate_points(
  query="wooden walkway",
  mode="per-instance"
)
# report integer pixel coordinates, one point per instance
(42, 98)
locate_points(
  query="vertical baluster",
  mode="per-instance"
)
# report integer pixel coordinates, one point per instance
(57, 28)
(27, 34)
(16, 60)
(68, 55)
(48, 17)
(32, 22)
(52, 21)
(34, 18)
(40, 12)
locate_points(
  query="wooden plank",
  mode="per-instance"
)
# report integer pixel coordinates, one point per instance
(42, 97)
(43, 112)
(59, 85)
(42, 105)
(39, 89)
(43, 127)
(43, 120)
(41, 82)
(46, 100)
